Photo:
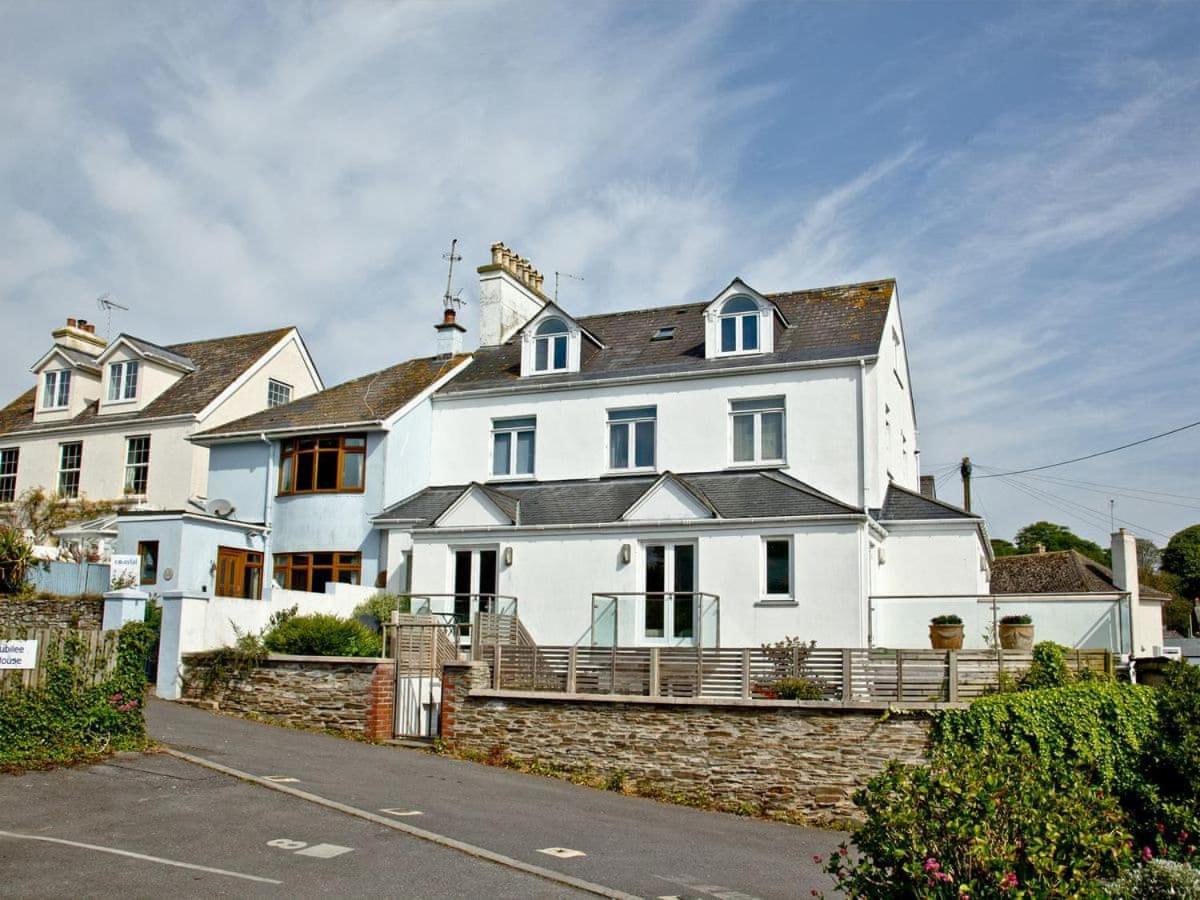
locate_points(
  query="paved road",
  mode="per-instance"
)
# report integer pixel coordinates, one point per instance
(639, 846)
(154, 826)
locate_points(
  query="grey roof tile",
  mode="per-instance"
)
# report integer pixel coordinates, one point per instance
(901, 503)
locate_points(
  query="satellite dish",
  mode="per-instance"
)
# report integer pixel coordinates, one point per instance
(219, 507)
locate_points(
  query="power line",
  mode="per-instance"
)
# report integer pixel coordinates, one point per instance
(1067, 462)
(1101, 518)
(1129, 491)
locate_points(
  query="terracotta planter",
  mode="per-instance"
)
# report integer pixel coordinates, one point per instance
(1016, 637)
(1150, 670)
(946, 637)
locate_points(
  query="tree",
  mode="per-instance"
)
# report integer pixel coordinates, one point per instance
(16, 561)
(1181, 558)
(1149, 557)
(1058, 537)
(42, 513)
(1001, 547)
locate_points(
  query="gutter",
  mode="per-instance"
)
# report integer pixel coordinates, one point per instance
(235, 436)
(627, 526)
(652, 378)
(98, 424)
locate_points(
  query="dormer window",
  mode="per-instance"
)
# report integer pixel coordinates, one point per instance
(739, 326)
(550, 345)
(122, 380)
(56, 389)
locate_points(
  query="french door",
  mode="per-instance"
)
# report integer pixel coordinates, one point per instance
(474, 574)
(669, 579)
(239, 573)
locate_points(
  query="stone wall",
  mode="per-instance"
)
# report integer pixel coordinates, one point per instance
(772, 757)
(342, 693)
(52, 612)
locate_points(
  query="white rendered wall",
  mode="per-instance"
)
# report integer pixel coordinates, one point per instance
(85, 388)
(693, 427)
(152, 380)
(931, 560)
(286, 364)
(188, 547)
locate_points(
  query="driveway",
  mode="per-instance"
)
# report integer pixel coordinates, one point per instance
(628, 844)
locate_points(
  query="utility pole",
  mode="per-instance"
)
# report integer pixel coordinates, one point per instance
(965, 470)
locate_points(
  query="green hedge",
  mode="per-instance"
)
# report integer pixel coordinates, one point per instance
(322, 635)
(69, 719)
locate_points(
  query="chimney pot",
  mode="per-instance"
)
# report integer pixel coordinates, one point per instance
(70, 322)
(449, 316)
(91, 329)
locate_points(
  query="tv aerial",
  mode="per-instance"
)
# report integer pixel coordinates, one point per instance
(558, 275)
(452, 301)
(106, 302)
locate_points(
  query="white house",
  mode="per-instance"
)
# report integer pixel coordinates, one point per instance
(111, 421)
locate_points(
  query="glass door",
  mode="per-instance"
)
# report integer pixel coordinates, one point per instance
(669, 610)
(474, 575)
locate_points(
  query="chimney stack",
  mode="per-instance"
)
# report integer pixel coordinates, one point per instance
(449, 334)
(510, 294)
(79, 334)
(929, 487)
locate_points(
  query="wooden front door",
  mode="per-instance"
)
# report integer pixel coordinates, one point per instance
(239, 573)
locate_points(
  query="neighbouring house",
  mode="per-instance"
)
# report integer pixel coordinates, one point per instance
(110, 421)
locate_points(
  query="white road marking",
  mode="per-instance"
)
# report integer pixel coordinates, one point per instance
(562, 852)
(402, 812)
(280, 779)
(141, 856)
(324, 851)
(287, 844)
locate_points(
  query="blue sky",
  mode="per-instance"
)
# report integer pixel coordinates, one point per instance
(1029, 172)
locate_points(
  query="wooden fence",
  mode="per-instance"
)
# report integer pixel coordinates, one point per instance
(96, 661)
(842, 675)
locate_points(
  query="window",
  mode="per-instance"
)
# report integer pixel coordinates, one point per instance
(122, 380)
(70, 462)
(513, 446)
(739, 325)
(757, 430)
(670, 608)
(278, 393)
(664, 334)
(148, 553)
(631, 438)
(56, 389)
(312, 571)
(550, 346)
(239, 573)
(8, 474)
(137, 464)
(778, 573)
(333, 464)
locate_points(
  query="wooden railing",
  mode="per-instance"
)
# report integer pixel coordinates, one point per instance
(841, 675)
(96, 658)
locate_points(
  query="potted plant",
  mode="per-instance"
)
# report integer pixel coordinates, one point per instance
(946, 632)
(1016, 632)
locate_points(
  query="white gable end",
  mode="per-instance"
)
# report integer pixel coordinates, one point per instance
(472, 510)
(667, 500)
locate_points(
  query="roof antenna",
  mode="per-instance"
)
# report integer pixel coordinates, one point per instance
(564, 275)
(108, 304)
(451, 301)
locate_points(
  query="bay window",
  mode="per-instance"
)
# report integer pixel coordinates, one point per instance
(333, 464)
(313, 571)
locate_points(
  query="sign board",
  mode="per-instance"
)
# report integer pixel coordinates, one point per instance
(125, 571)
(18, 654)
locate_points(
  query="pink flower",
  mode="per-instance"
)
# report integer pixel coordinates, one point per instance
(1009, 881)
(842, 851)
(817, 858)
(1161, 827)
(1147, 854)
(932, 865)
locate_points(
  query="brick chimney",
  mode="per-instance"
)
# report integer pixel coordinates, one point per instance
(510, 294)
(79, 334)
(929, 487)
(449, 334)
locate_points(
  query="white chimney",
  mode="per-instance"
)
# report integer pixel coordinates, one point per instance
(510, 294)
(449, 335)
(79, 334)
(1145, 618)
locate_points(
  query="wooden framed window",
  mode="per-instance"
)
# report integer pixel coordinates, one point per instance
(137, 465)
(148, 554)
(239, 573)
(312, 571)
(324, 464)
(69, 466)
(8, 474)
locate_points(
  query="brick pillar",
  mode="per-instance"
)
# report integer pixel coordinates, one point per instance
(381, 703)
(459, 678)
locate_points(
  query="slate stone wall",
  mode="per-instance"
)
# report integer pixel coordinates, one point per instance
(86, 613)
(772, 758)
(344, 694)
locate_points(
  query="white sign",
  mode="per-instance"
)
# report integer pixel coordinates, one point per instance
(18, 654)
(125, 571)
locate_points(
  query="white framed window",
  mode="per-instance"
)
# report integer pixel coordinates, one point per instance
(757, 430)
(70, 463)
(739, 323)
(632, 438)
(8, 474)
(777, 568)
(550, 346)
(513, 445)
(56, 389)
(279, 393)
(122, 380)
(137, 464)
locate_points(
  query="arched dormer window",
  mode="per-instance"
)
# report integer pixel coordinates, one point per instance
(550, 345)
(739, 325)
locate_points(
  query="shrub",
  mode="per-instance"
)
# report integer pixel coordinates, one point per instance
(17, 560)
(380, 606)
(982, 825)
(946, 620)
(1049, 667)
(1158, 878)
(1170, 795)
(322, 635)
(795, 689)
(1016, 620)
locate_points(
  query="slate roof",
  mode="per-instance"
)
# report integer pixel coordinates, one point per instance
(154, 351)
(825, 323)
(1056, 572)
(738, 494)
(77, 357)
(900, 504)
(218, 363)
(368, 399)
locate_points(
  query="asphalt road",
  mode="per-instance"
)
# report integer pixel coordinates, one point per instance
(154, 826)
(629, 844)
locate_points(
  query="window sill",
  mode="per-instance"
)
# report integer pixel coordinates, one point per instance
(618, 473)
(765, 464)
(506, 478)
(781, 603)
(125, 402)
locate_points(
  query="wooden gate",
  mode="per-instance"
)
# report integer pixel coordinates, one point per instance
(419, 645)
